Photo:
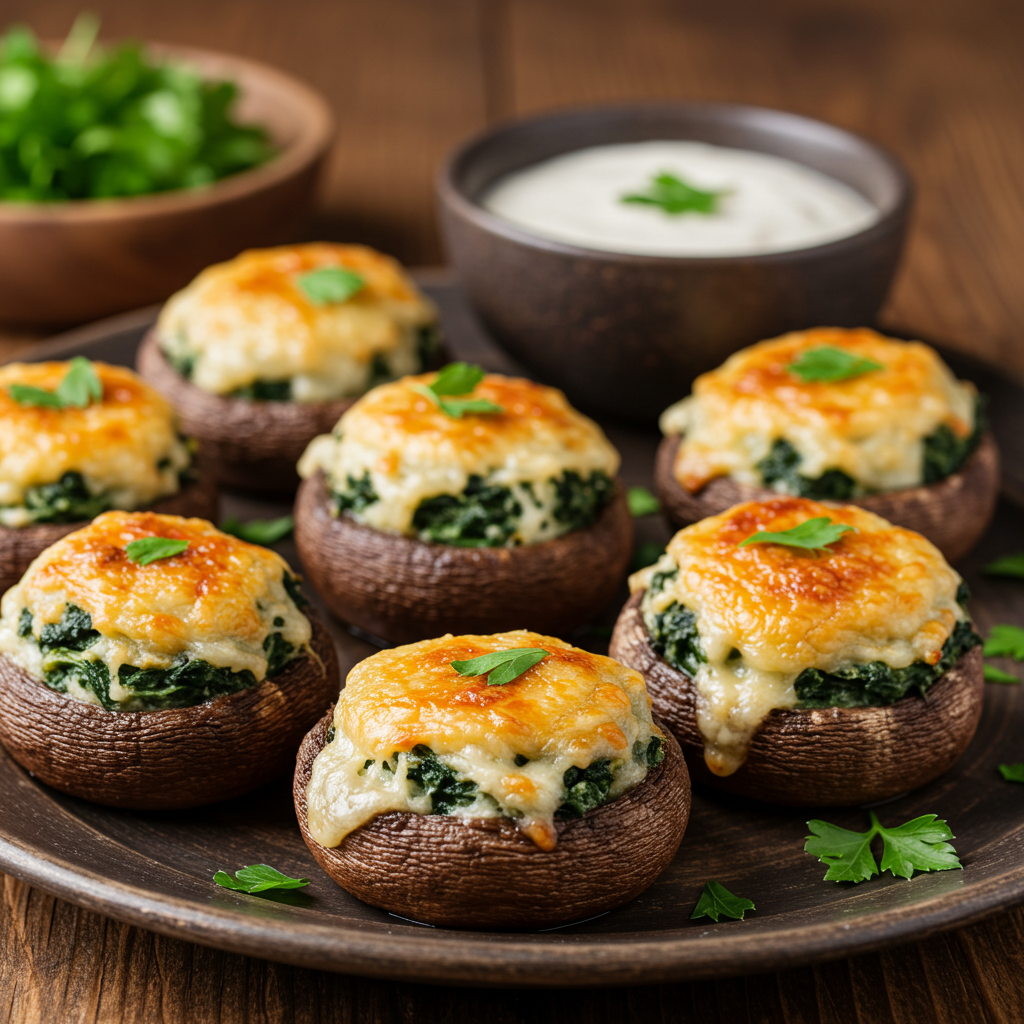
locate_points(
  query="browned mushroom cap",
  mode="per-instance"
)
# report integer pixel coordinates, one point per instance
(953, 513)
(18, 547)
(157, 760)
(837, 756)
(403, 589)
(484, 873)
(250, 445)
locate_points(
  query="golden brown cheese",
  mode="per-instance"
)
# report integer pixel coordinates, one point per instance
(126, 446)
(413, 451)
(872, 426)
(248, 320)
(571, 709)
(881, 593)
(216, 601)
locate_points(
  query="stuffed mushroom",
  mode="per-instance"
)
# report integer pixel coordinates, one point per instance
(505, 781)
(264, 352)
(463, 502)
(841, 415)
(151, 661)
(805, 653)
(79, 438)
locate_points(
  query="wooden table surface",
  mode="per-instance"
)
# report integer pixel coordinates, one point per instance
(941, 82)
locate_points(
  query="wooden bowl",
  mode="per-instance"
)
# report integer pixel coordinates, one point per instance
(253, 446)
(823, 756)
(626, 334)
(953, 513)
(181, 757)
(66, 263)
(484, 873)
(403, 589)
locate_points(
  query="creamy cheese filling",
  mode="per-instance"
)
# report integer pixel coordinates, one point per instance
(872, 426)
(408, 451)
(124, 451)
(505, 750)
(764, 613)
(249, 321)
(221, 602)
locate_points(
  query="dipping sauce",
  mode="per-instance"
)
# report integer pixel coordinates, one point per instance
(768, 204)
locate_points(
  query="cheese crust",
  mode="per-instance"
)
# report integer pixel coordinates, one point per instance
(766, 612)
(872, 426)
(217, 601)
(571, 709)
(126, 446)
(411, 450)
(248, 320)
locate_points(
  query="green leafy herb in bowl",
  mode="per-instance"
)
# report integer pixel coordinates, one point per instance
(92, 122)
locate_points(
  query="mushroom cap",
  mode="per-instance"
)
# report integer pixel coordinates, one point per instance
(18, 547)
(953, 513)
(181, 757)
(404, 589)
(250, 445)
(822, 756)
(484, 873)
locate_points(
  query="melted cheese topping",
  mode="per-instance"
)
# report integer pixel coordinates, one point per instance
(126, 446)
(872, 426)
(571, 709)
(248, 320)
(413, 451)
(881, 594)
(216, 601)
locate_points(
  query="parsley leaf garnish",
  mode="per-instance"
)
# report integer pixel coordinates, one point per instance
(642, 502)
(258, 878)
(151, 549)
(259, 531)
(918, 845)
(675, 196)
(814, 535)
(1012, 772)
(716, 901)
(1005, 642)
(79, 387)
(997, 675)
(501, 667)
(326, 286)
(831, 364)
(1008, 565)
(457, 379)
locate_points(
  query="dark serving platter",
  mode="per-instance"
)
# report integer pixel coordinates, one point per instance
(155, 869)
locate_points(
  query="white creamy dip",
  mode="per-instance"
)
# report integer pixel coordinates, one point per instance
(771, 204)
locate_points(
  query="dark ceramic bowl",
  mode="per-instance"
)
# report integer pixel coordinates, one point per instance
(626, 334)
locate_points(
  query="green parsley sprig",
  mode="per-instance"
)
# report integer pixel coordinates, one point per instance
(997, 675)
(327, 286)
(258, 878)
(828, 364)
(641, 502)
(813, 535)
(151, 549)
(1012, 772)
(457, 379)
(259, 531)
(1008, 565)
(501, 667)
(716, 901)
(919, 845)
(675, 196)
(80, 387)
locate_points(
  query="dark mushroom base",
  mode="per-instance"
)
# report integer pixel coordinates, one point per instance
(403, 589)
(18, 547)
(953, 513)
(252, 446)
(827, 756)
(484, 873)
(160, 760)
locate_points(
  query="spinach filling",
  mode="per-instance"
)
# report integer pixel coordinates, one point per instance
(67, 500)
(184, 684)
(673, 635)
(264, 391)
(944, 455)
(356, 495)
